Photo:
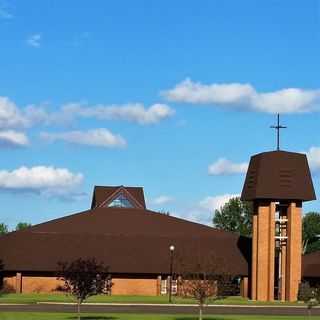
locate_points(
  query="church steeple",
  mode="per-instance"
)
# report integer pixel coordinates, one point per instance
(277, 182)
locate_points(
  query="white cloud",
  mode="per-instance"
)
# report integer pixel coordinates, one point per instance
(34, 40)
(11, 138)
(313, 155)
(245, 96)
(195, 92)
(216, 202)
(193, 214)
(41, 180)
(96, 137)
(290, 100)
(225, 167)
(203, 211)
(10, 115)
(135, 112)
(39, 115)
(161, 200)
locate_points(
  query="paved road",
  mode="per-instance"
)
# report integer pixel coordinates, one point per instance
(157, 309)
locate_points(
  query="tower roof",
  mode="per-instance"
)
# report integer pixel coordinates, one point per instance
(278, 175)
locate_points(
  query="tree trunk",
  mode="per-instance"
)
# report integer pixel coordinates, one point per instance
(200, 311)
(304, 246)
(78, 309)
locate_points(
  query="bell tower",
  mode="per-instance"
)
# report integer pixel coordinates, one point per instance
(277, 182)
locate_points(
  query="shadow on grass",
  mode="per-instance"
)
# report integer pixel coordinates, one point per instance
(93, 318)
(203, 318)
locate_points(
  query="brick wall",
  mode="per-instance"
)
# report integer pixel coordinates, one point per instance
(9, 284)
(147, 287)
(40, 284)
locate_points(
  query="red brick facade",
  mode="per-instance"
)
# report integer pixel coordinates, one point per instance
(32, 284)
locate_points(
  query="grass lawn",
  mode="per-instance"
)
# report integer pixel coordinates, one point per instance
(41, 297)
(86, 316)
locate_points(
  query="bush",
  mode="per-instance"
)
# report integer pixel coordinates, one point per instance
(306, 292)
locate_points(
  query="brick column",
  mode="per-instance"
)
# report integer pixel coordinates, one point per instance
(158, 285)
(293, 270)
(271, 249)
(244, 287)
(263, 246)
(18, 282)
(254, 254)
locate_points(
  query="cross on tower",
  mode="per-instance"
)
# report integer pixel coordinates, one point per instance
(278, 127)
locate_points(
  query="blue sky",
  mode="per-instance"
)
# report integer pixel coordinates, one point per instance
(174, 96)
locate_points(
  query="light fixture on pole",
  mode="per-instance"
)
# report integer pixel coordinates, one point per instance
(171, 271)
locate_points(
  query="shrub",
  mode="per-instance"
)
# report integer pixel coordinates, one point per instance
(306, 292)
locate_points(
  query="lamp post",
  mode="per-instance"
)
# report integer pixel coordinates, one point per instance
(171, 267)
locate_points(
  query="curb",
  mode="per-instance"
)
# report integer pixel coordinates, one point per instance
(176, 305)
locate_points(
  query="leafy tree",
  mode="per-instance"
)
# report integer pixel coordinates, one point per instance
(305, 292)
(202, 279)
(84, 278)
(167, 213)
(23, 225)
(235, 216)
(311, 232)
(3, 228)
(309, 295)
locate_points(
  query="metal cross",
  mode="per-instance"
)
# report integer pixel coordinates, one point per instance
(278, 127)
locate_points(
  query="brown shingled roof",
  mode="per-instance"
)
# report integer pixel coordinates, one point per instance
(311, 265)
(278, 175)
(128, 240)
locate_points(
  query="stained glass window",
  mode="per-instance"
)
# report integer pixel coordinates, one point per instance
(121, 201)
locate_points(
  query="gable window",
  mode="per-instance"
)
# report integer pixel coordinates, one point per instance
(120, 201)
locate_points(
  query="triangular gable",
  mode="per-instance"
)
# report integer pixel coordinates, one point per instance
(121, 198)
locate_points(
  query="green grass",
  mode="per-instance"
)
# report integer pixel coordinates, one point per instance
(100, 316)
(41, 297)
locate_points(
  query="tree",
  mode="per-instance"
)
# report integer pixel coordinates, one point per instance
(167, 213)
(235, 216)
(3, 228)
(310, 296)
(23, 225)
(311, 232)
(202, 279)
(84, 278)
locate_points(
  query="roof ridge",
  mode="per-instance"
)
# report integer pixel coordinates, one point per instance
(117, 186)
(313, 253)
(211, 228)
(55, 220)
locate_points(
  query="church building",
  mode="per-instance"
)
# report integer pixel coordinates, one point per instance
(135, 242)
(121, 232)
